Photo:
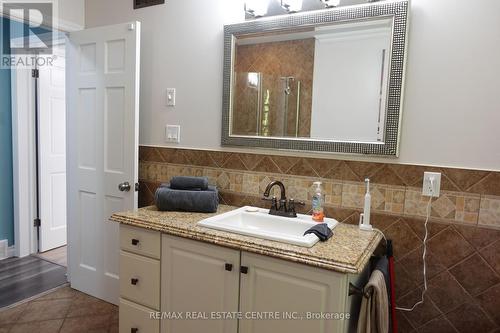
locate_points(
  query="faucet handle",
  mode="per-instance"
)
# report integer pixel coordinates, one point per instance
(274, 202)
(291, 208)
(300, 203)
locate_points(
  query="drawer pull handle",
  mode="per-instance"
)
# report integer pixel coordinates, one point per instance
(135, 242)
(134, 281)
(244, 270)
(134, 330)
(228, 267)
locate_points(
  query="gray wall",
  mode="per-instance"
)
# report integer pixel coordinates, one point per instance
(450, 116)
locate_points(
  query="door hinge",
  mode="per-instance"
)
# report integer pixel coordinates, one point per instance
(35, 73)
(37, 222)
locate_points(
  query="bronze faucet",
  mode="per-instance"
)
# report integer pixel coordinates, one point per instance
(284, 207)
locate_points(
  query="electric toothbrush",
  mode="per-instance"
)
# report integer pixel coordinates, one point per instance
(364, 219)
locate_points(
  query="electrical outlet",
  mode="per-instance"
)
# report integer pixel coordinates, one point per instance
(431, 190)
(173, 133)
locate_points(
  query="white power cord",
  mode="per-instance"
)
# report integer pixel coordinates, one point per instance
(429, 205)
(381, 233)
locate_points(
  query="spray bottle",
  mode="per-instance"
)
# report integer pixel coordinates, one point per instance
(317, 203)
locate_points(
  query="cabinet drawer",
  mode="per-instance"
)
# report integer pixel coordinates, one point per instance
(140, 241)
(136, 318)
(140, 279)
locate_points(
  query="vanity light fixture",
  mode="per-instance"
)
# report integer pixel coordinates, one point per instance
(256, 8)
(292, 6)
(331, 3)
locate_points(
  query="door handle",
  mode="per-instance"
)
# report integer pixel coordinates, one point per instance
(228, 267)
(124, 187)
(134, 281)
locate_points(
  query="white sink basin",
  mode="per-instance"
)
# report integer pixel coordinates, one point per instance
(257, 222)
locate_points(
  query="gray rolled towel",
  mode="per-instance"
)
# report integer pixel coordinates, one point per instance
(189, 183)
(168, 199)
(321, 230)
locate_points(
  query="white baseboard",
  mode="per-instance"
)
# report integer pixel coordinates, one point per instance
(5, 250)
(11, 251)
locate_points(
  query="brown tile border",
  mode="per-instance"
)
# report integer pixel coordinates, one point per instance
(451, 207)
(458, 180)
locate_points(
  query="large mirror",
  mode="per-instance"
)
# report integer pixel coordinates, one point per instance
(326, 81)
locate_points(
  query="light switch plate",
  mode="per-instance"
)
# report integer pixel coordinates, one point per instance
(431, 190)
(173, 133)
(170, 96)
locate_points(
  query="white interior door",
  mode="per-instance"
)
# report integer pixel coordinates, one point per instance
(102, 147)
(52, 151)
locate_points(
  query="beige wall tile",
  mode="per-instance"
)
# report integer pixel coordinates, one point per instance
(383, 198)
(489, 213)
(470, 212)
(395, 199)
(415, 203)
(352, 195)
(211, 174)
(333, 193)
(250, 184)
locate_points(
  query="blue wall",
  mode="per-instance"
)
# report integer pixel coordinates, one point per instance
(6, 187)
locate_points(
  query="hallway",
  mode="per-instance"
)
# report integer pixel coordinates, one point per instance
(57, 256)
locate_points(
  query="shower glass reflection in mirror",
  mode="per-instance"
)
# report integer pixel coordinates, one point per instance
(326, 82)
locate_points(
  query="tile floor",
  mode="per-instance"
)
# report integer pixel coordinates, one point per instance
(56, 256)
(64, 310)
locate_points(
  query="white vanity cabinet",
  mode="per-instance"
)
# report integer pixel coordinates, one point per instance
(198, 278)
(191, 282)
(291, 291)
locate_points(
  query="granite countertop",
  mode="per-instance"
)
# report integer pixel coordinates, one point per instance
(348, 251)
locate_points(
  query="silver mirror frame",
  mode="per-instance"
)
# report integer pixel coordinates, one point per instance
(397, 9)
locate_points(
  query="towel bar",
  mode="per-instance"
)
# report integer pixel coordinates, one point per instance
(353, 290)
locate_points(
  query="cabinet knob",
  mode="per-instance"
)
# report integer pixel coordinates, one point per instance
(228, 267)
(135, 242)
(134, 330)
(134, 281)
(244, 270)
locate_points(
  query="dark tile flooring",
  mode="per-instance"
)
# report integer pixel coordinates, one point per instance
(64, 310)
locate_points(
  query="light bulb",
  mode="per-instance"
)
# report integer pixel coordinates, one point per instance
(331, 3)
(257, 7)
(292, 6)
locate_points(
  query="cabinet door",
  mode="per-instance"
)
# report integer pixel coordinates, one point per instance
(195, 280)
(271, 285)
(136, 318)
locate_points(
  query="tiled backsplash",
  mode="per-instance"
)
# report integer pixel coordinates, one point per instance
(467, 196)
(463, 258)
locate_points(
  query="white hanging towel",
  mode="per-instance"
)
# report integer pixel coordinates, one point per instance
(374, 313)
